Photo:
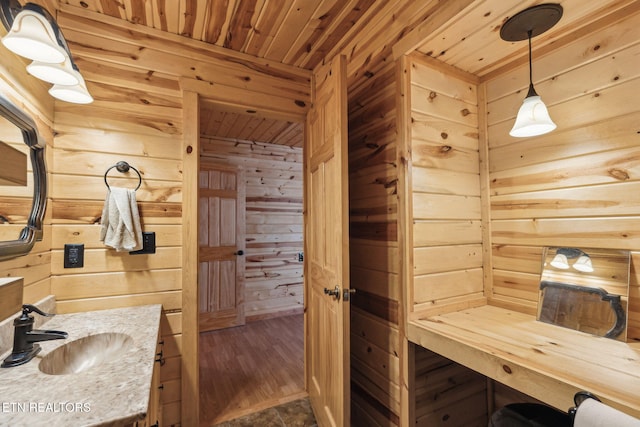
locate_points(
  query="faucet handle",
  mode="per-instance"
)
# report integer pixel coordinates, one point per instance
(28, 308)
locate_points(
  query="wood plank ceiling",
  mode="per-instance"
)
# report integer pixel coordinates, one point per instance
(294, 32)
(215, 121)
(301, 33)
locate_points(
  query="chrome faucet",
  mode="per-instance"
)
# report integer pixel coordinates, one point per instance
(25, 337)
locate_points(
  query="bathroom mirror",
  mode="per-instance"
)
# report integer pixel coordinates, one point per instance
(23, 193)
(585, 289)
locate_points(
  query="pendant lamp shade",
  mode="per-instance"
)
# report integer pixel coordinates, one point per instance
(533, 117)
(33, 37)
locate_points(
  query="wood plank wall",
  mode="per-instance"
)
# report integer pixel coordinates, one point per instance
(377, 347)
(446, 209)
(30, 95)
(375, 322)
(133, 73)
(579, 185)
(273, 173)
(447, 393)
(440, 164)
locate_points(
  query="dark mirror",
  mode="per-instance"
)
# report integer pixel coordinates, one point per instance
(586, 290)
(20, 221)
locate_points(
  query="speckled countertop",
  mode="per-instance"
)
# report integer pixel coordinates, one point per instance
(115, 393)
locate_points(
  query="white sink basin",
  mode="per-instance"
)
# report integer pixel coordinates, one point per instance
(85, 353)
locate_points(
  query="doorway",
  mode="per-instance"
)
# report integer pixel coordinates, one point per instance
(247, 368)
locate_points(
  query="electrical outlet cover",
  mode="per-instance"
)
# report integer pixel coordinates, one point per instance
(148, 244)
(73, 255)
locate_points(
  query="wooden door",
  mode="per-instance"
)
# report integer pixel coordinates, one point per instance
(327, 247)
(221, 209)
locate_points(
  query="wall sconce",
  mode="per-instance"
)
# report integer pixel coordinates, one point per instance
(583, 262)
(533, 118)
(34, 34)
(560, 261)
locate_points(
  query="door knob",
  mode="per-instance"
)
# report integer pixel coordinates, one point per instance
(333, 292)
(239, 253)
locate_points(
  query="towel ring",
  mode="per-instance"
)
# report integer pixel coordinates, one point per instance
(123, 167)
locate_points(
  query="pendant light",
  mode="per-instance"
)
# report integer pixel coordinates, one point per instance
(533, 118)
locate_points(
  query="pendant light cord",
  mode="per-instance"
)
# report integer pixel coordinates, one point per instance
(532, 91)
(530, 60)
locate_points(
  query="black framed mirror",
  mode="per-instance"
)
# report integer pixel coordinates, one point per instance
(586, 289)
(32, 231)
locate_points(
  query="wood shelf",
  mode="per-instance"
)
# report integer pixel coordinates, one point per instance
(545, 361)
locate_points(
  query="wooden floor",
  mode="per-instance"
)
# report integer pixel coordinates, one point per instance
(249, 368)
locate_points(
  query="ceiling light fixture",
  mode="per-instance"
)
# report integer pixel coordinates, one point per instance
(533, 118)
(34, 34)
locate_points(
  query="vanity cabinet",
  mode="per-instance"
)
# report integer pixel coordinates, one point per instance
(107, 364)
(154, 413)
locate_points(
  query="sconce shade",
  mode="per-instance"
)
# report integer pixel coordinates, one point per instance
(76, 94)
(533, 119)
(62, 74)
(560, 261)
(584, 264)
(33, 37)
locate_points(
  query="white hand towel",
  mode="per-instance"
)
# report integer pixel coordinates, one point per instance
(121, 228)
